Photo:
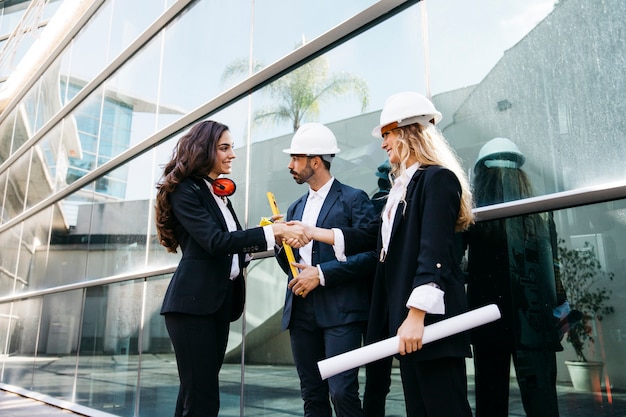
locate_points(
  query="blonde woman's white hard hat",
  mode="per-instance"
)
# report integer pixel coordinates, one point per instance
(406, 108)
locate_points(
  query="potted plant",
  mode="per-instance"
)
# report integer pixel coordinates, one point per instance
(581, 276)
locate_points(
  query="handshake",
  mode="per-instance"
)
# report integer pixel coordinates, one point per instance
(293, 233)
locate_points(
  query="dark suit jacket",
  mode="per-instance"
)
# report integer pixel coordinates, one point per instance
(346, 296)
(423, 248)
(201, 280)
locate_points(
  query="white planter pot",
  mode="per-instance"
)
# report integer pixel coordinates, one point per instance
(586, 376)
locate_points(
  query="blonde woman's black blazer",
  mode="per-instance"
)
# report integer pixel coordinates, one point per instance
(201, 280)
(423, 248)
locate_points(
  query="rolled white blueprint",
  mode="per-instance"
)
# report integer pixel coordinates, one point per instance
(375, 351)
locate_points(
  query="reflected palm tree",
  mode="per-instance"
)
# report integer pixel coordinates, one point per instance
(297, 96)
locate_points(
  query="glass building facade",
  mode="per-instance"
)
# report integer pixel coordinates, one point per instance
(93, 100)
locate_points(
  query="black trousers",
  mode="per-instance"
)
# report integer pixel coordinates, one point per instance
(435, 387)
(199, 344)
(377, 386)
(311, 343)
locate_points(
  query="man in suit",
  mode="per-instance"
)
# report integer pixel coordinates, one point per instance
(327, 303)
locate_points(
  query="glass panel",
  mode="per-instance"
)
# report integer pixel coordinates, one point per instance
(531, 87)
(3, 195)
(531, 265)
(41, 103)
(51, 8)
(7, 130)
(159, 375)
(10, 250)
(20, 321)
(58, 345)
(275, 35)
(128, 20)
(131, 105)
(47, 156)
(34, 234)
(34, 256)
(21, 131)
(195, 77)
(112, 119)
(108, 359)
(193, 72)
(11, 15)
(86, 118)
(31, 105)
(18, 178)
(68, 246)
(109, 32)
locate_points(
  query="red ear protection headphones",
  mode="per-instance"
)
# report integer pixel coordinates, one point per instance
(222, 187)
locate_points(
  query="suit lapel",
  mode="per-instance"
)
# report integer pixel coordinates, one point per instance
(402, 205)
(298, 209)
(329, 201)
(232, 211)
(211, 204)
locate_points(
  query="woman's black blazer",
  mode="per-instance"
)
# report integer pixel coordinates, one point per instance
(201, 281)
(423, 248)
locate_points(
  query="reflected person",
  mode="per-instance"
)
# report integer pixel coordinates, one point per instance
(511, 262)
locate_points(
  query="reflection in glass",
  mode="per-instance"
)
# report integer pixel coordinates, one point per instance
(8, 130)
(21, 322)
(159, 381)
(109, 347)
(10, 249)
(193, 70)
(114, 26)
(513, 263)
(530, 91)
(55, 369)
(33, 254)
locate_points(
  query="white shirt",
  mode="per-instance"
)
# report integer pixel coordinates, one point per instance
(232, 226)
(311, 212)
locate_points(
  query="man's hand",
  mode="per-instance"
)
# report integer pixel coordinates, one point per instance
(294, 233)
(307, 280)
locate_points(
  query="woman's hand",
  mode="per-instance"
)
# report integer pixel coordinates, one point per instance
(411, 331)
(284, 232)
(313, 233)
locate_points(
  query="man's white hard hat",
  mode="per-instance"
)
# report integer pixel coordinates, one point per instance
(313, 139)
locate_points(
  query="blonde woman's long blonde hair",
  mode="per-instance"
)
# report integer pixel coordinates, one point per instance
(430, 147)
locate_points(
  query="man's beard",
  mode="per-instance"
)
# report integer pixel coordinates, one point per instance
(304, 176)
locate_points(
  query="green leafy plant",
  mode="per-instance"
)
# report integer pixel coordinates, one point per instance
(581, 274)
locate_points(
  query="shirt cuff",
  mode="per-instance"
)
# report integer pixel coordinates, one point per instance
(269, 236)
(428, 298)
(321, 276)
(340, 245)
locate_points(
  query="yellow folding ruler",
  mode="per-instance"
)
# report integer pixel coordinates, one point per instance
(287, 248)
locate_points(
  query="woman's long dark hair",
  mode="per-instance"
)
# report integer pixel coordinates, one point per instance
(498, 185)
(194, 156)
